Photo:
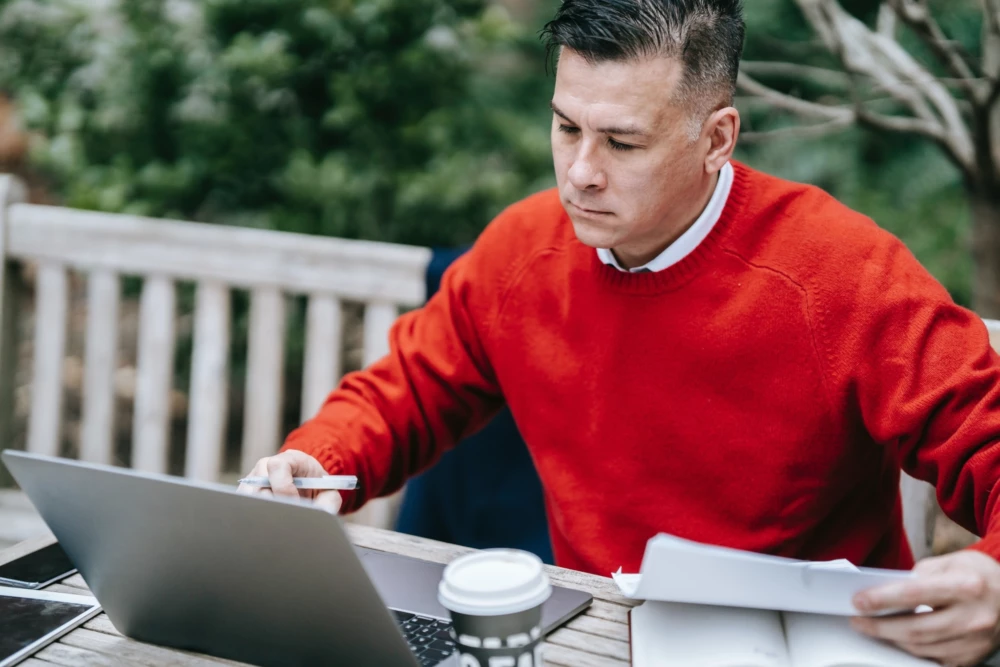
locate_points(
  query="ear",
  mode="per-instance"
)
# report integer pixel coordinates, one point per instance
(721, 130)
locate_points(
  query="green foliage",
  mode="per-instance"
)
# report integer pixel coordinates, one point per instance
(365, 119)
(404, 120)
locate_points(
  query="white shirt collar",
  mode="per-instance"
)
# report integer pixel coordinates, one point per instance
(691, 238)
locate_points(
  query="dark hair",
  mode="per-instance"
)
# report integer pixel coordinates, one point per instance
(705, 35)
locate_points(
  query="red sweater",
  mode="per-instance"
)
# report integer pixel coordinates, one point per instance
(761, 394)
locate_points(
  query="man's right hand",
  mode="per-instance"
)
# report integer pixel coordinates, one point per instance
(281, 468)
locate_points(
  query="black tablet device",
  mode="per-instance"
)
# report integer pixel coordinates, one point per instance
(37, 569)
(31, 619)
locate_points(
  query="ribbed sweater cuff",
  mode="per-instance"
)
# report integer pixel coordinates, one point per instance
(329, 456)
(989, 545)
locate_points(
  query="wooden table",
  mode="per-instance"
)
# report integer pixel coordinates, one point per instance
(597, 638)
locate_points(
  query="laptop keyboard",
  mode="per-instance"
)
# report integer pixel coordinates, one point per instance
(429, 639)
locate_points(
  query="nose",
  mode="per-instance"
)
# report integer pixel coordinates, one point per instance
(586, 173)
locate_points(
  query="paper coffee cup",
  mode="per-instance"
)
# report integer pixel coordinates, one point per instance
(495, 597)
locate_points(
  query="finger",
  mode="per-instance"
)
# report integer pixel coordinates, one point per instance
(259, 470)
(255, 491)
(304, 465)
(301, 464)
(279, 474)
(938, 590)
(930, 628)
(331, 501)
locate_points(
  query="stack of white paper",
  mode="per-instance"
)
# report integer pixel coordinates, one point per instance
(678, 570)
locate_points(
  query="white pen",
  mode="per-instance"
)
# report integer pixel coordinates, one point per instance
(327, 482)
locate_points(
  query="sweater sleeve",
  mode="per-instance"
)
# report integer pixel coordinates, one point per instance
(921, 375)
(396, 417)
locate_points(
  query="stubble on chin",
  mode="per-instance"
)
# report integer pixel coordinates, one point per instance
(592, 234)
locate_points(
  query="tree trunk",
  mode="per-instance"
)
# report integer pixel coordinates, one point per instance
(986, 254)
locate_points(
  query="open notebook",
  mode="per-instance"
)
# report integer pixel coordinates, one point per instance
(675, 634)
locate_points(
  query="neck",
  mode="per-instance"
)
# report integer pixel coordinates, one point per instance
(630, 257)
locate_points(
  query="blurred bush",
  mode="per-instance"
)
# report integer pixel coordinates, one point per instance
(412, 121)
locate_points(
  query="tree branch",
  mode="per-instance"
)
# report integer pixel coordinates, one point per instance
(820, 76)
(791, 103)
(806, 132)
(866, 54)
(887, 20)
(991, 15)
(901, 85)
(836, 117)
(916, 14)
(899, 123)
(955, 132)
(830, 78)
(994, 94)
(991, 50)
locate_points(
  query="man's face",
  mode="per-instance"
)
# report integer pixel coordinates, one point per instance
(630, 177)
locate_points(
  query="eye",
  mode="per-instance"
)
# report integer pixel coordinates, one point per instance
(619, 146)
(569, 129)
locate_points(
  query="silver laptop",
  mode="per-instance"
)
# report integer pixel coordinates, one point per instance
(201, 567)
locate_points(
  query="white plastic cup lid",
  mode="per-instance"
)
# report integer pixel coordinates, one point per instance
(494, 582)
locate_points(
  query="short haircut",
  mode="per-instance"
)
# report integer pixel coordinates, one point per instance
(706, 36)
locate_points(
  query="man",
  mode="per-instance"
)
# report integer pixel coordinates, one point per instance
(690, 346)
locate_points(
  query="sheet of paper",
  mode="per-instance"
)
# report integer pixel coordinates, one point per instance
(666, 634)
(679, 570)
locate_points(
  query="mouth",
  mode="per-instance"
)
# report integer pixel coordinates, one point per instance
(589, 211)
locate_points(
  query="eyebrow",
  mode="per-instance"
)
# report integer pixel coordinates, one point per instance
(620, 130)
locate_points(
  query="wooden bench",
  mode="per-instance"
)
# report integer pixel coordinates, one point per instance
(218, 259)
(162, 253)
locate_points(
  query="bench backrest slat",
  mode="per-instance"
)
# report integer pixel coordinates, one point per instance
(322, 367)
(154, 374)
(265, 376)
(99, 363)
(379, 317)
(209, 394)
(51, 309)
